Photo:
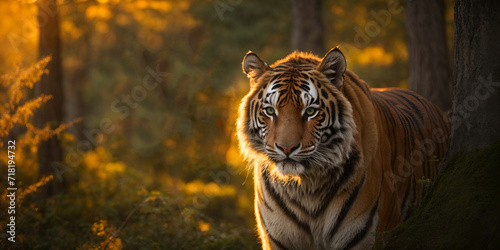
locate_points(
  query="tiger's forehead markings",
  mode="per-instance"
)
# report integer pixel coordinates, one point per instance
(272, 93)
(310, 94)
(291, 86)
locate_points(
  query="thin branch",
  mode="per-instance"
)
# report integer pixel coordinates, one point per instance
(115, 234)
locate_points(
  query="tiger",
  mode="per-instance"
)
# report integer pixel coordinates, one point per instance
(334, 162)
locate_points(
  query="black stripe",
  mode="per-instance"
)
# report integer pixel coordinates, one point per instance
(264, 86)
(276, 197)
(430, 110)
(349, 167)
(337, 107)
(281, 66)
(361, 234)
(277, 86)
(389, 123)
(409, 131)
(385, 108)
(410, 124)
(273, 79)
(324, 93)
(413, 131)
(402, 99)
(340, 111)
(345, 208)
(260, 194)
(274, 240)
(255, 108)
(423, 102)
(304, 85)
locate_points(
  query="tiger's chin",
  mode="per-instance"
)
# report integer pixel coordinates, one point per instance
(289, 168)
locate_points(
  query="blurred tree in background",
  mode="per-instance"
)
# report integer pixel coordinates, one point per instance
(50, 114)
(154, 162)
(307, 33)
(429, 63)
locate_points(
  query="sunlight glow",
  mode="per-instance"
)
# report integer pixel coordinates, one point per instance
(375, 55)
(233, 156)
(209, 189)
(203, 226)
(98, 12)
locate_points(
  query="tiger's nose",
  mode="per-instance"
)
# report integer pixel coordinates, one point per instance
(287, 149)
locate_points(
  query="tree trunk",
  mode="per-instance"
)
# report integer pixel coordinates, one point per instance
(78, 77)
(307, 33)
(476, 97)
(50, 113)
(428, 55)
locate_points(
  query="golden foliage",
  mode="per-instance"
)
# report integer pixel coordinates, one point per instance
(15, 112)
(35, 135)
(102, 229)
(18, 109)
(99, 228)
(32, 188)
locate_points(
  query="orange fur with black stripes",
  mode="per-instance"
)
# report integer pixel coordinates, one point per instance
(334, 162)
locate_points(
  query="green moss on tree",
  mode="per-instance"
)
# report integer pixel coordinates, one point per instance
(462, 211)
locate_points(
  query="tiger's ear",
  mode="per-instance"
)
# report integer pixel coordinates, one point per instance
(333, 65)
(253, 66)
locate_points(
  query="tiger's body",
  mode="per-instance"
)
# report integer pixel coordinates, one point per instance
(334, 162)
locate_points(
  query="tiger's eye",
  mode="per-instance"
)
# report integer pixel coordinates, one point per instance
(270, 111)
(310, 111)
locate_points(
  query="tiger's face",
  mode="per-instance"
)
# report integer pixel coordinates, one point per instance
(295, 116)
(291, 117)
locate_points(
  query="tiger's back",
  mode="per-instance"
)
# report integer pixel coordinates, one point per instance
(413, 134)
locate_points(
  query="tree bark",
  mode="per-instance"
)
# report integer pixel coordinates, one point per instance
(428, 55)
(476, 97)
(307, 33)
(50, 113)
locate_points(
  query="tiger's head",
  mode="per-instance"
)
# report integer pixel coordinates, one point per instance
(295, 120)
